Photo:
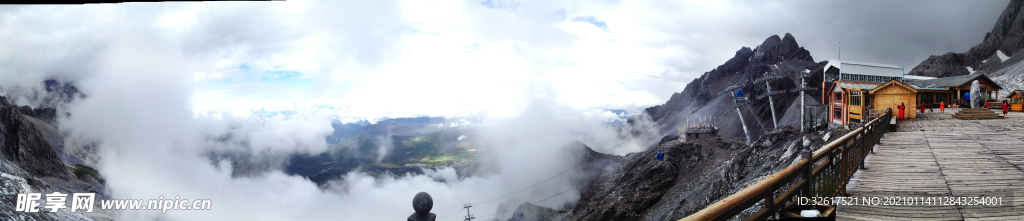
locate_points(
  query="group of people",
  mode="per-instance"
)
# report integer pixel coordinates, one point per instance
(942, 109)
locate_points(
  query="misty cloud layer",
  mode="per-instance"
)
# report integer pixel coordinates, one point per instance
(172, 87)
(454, 58)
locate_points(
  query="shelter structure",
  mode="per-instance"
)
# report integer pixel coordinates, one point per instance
(853, 90)
(847, 85)
(698, 131)
(1016, 100)
(951, 90)
(892, 93)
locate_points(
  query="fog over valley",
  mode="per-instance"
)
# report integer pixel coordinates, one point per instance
(345, 110)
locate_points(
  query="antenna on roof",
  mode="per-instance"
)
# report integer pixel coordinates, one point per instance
(840, 50)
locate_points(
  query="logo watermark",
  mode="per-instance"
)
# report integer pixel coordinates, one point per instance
(84, 202)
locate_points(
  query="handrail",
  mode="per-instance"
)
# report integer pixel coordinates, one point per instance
(829, 146)
(714, 210)
(844, 156)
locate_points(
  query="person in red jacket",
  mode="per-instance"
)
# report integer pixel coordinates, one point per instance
(921, 107)
(1006, 108)
(901, 107)
(942, 106)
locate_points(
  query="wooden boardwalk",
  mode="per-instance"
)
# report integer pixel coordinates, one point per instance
(939, 156)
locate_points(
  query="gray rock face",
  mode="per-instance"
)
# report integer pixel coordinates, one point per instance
(1007, 36)
(692, 176)
(529, 211)
(33, 159)
(24, 145)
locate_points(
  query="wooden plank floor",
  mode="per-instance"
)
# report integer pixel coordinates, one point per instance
(939, 156)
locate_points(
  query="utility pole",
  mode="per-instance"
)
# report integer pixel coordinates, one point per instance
(739, 100)
(769, 93)
(469, 217)
(803, 84)
(803, 88)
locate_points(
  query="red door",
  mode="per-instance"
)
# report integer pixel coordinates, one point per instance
(838, 110)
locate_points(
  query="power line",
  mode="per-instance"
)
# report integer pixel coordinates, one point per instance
(548, 179)
(546, 199)
(537, 202)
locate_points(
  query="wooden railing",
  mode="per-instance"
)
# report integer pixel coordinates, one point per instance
(824, 173)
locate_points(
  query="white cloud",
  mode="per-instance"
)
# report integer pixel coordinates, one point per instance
(169, 84)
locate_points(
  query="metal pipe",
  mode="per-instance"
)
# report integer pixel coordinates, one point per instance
(745, 132)
(803, 84)
(772, 105)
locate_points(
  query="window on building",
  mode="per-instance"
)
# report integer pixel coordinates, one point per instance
(855, 98)
(838, 113)
(839, 96)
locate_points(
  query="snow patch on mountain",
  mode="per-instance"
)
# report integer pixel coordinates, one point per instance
(1002, 57)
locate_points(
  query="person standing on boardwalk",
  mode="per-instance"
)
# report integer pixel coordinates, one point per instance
(1006, 108)
(942, 107)
(901, 107)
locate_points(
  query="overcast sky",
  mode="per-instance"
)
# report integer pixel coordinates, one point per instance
(400, 58)
(541, 67)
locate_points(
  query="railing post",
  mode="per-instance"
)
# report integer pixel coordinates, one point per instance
(874, 134)
(863, 146)
(834, 170)
(769, 202)
(809, 169)
(844, 167)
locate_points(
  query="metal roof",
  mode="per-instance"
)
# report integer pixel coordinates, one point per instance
(861, 85)
(701, 128)
(918, 78)
(894, 82)
(864, 63)
(927, 88)
(945, 83)
(864, 68)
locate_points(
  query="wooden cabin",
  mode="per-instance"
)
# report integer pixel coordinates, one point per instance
(698, 131)
(892, 94)
(1016, 100)
(850, 101)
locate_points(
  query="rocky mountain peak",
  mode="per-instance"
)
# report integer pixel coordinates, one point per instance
(1007, 36)
(1008, 31)
(779, 56)
(775, 49)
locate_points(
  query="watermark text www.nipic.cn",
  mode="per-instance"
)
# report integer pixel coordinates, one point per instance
(83, 202)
